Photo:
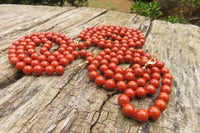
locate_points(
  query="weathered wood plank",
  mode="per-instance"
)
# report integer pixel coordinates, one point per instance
(73, 103)
(27, 17)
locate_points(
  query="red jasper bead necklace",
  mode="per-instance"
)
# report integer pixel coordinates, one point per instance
(23, 56)
(120, 45)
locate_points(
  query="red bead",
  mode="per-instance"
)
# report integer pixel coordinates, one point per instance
(41, 58)
(154, 112)
(160, 64)
(112, 66)
(141, 82)
(49, 70)
(128, 110)
(141, 92)
(90, 59)
(164, 96)
(104, 62)
(150, 89)
(108, 73)
(99, 58)
(93, 75)
(120, 58)
(37, 70)
(138, 72)
(121, 86)
(51, 58)
(70, 57)
(155, 69)
(154, 82)
(123, 99)
(141, 115)
(95, 62)
(166, 81)
(110, 84)
(164, 70)
(147, 70)
(128, 70)
(133, 85)
(75, 54)
(103, 68)
(119, 70)
(161, 104)
(81, 45)
(28, 70)
(20, 65)
(82, 53)
(118, 77)
(14, 60)
(146, 76)
(137, 60)
(128, 58)
(114, 60)
(44, 63)
(100, 80)
(54, 63)
(156, 75)
(130, 93)
(64, 62)
(166, 88)
(92, 67)
(34, 56)
(129, 76)
(168, 75)
(60, 70)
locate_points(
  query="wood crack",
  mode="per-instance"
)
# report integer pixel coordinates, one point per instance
(109, 96)
(149, 29)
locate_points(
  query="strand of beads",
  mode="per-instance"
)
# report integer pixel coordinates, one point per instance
(23, 56)
(119, 44)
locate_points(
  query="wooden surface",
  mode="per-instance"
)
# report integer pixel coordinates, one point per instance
(73, 103)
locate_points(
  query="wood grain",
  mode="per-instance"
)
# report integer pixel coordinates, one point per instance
(73, 103)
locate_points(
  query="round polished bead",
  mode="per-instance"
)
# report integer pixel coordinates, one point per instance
(92, 67)
(154, 82)
(138, 72)
(108, 73)
(166, 88)
(154, 112)
(141, 92)
(129, 76)
(133, 85)
(150, 89)
(166, 81)
(100, 80)
(118, 77)
(161, 104)
(110, 84)
(128, 110)
(123, 99)
(168, 75)
(103, 68)
(121, 86)
(130, 93)
(141, 115)
(93, 75)
(141, 82)
(164, 96)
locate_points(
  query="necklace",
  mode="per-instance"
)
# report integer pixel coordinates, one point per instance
(120, 45)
